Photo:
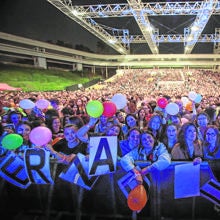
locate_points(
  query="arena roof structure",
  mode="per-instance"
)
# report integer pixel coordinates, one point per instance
(168, 33)
(121, 24)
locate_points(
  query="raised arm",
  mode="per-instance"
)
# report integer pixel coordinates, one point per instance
(82, 133)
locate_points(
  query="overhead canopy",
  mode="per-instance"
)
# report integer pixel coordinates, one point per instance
(5, 86)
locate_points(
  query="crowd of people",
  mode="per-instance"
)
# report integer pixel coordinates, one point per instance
(144, 130)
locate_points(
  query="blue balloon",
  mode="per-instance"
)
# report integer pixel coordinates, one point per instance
(198, 98)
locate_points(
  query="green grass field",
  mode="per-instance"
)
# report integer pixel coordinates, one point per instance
(31, 79)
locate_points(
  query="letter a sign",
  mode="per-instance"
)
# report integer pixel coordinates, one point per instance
(102, 155)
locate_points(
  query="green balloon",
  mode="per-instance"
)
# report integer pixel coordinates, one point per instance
(94, 108)
(12, 141)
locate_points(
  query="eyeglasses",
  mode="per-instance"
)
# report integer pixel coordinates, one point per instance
(211, 134)
(202, 118)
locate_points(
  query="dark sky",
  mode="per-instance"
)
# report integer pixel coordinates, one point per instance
(39, 20)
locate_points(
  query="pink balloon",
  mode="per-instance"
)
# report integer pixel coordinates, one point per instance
(109, 109)
(42, 103)
(162, 102)
(40, 135)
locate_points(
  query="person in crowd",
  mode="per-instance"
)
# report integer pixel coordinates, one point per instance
(67, 148)
(24, 129)
(81, 107)
(202, 120)
(130, 122)
(49, 114)
(14, 117)
(150, 150)
(101, 125)
(66, 113)
(175, 119)
(211, 145)
(84, 132)
(76, 121)
(65, 120)
(189, 147)
(34, 114)
(120, 116)
(4, 118)
(54, 102)
(148, 111)
(54, 124)
(131, 107)
(119, 119)
(132, 141)
(141, 118)
(155, 125)
(211, 112)
(110, 122)
(75, 109)
(115, 130)
(170, 136)
(38, 122)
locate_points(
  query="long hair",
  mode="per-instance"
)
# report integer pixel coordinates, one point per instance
(132, 115)
(156, 142)
(145, 122)
(161, 128)
(182, 132)
(164, 136)
(216, 130)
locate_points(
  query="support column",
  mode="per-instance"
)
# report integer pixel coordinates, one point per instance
(106, 72)
(93, 70)
(79, 67)
(40, 61)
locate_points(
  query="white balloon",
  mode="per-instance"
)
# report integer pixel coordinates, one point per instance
(184, 100)
(26, 104)
(192, 95)
(120, 100)
(172, 108)
(42, 103)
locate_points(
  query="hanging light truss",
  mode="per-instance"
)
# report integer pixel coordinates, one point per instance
(150, 8)
(193, 32)
(174, 38)
(91, 25)
(144, 24)
(120, 39)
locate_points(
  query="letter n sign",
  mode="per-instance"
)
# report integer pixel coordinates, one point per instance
(102, 155)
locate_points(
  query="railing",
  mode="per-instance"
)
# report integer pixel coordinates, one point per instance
(106, 200)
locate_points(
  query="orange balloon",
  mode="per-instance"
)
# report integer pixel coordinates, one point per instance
(137, 198)
(189, 106)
